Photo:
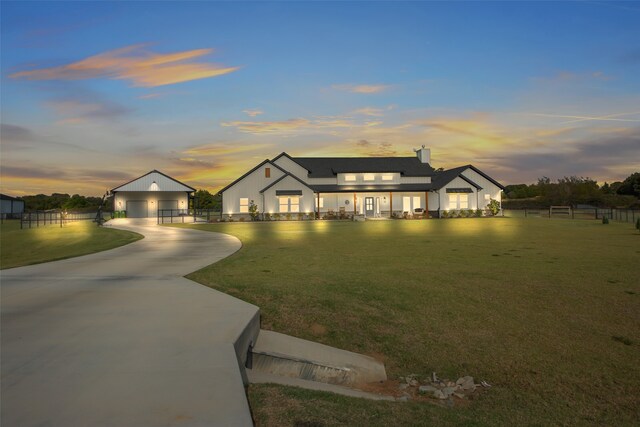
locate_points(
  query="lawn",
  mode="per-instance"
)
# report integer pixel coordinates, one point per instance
(32, 246)
(547, 311)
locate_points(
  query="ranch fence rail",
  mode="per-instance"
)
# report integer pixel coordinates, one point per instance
(191, 215)
(614, 214)
(53, 217)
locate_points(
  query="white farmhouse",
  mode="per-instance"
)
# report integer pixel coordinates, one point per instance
(361, 186)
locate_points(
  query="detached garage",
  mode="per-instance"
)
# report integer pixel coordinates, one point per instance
(142, 197)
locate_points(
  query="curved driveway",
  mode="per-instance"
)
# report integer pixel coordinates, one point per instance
(120, 338)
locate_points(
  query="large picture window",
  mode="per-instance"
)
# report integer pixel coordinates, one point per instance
(244, 205)
(458, 201)
(289, 204)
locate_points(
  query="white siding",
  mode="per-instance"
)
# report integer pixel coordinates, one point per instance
(292, 167)
(458, 183)
(271, 201)
(250, 187)
(488, 187)
(153, 181)
(152, 197)
(321, 181)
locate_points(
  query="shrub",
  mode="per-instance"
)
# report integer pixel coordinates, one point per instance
(444, 214)
(300, 216)
(253, 211)
(288, 216)
(276, 216)
(493, 207)
(605, 220)
(478, 212)
(241, 219)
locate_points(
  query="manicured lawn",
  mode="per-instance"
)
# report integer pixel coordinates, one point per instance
(36, 245)
(530, 305)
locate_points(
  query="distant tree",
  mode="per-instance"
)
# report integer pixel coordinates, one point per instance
(631, 185)
(206, 200)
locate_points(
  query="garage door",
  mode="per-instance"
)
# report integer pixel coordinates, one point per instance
(167, 204)
(137, 209)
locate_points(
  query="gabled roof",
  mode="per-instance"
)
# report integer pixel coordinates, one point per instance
(163, 183)
(443, 178)
(5, 197)
(250, 172)
(329, 167)
(283, 177)
(283, 154)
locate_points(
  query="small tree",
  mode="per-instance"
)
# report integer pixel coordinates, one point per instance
(253, 211)
(493, 207)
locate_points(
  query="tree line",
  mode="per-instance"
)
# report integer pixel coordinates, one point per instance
(572, 191)
(61, 201)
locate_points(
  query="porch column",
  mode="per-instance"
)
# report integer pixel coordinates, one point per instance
(354, 205)
(426, 205)
(318, 205)
(390, 204)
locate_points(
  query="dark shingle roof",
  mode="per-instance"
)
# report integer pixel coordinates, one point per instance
(440, 179)
(328, 167)
(334, 188)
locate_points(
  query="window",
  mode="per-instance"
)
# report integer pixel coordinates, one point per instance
(289, 204)
(464, 201)
(406, 204)
(349, 177)
(244, 205)
(416, 202)
(284, 204)
(458, 201)
(453, 201)
(387, 177)
(267, 172)
(369, 177)
(321, 202)
(294, 203)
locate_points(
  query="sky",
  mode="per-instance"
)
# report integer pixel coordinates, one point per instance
(94, 94)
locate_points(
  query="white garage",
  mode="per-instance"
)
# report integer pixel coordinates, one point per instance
(143, 196)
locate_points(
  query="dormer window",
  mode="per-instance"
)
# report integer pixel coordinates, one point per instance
(369, 177)
(387, 177)
(349, 177)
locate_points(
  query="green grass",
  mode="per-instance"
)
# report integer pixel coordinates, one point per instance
(32, 246)
(548, 311)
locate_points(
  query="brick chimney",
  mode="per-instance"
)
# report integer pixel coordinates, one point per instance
(424, 154)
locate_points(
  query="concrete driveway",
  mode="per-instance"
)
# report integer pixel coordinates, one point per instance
(120, 338)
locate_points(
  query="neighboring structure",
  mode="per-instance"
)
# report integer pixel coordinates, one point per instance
(142, 197)
(366, 186)
(11, 207)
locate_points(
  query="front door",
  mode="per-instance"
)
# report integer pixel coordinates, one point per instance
(368, 206)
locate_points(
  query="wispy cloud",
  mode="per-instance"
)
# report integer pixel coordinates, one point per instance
(580, 118)
(136, 64)
(73, 111)
(369, 111)
(221, 149)
(290, 125)
(253, 113)
(365, 89)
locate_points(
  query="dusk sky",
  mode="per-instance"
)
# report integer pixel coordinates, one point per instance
(96, 93)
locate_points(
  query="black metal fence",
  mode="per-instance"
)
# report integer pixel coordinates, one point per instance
(54, 217)
(187, 215)
(615, 214)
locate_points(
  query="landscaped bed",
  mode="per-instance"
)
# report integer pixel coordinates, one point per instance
(546, 311)
(35, 245)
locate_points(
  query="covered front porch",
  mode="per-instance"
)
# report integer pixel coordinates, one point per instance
(371, 204)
